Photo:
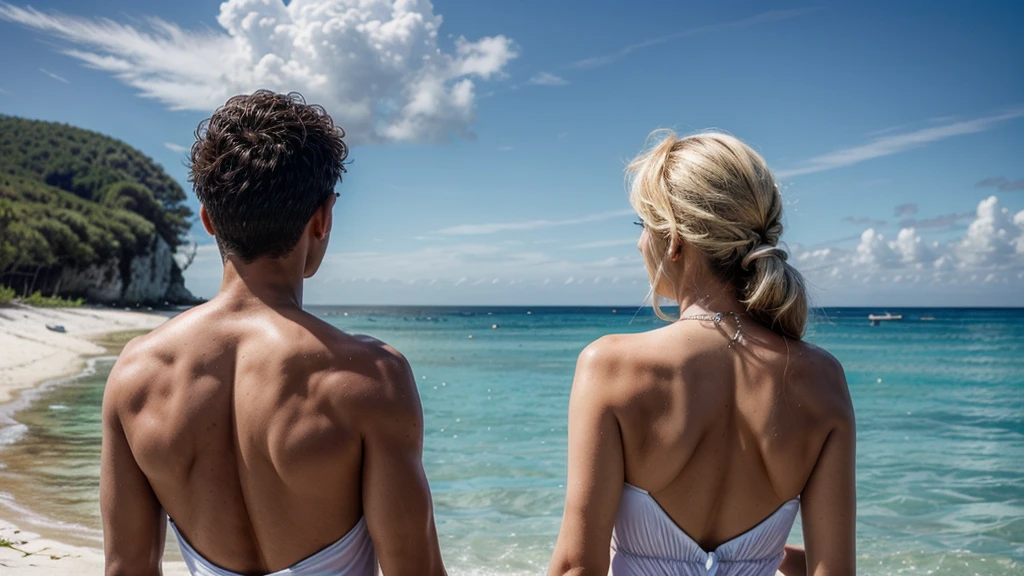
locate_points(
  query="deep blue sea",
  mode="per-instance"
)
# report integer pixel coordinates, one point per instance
(939, 398)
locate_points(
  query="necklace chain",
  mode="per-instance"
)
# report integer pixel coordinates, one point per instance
(717, 319)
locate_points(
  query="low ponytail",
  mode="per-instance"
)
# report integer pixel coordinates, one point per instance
(775, 294)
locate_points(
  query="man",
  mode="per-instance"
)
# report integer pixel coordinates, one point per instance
(271, 439)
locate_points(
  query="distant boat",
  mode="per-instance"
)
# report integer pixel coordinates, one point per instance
(876, 319)
(56, 328)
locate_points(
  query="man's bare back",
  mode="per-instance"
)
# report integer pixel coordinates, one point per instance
(265, 434)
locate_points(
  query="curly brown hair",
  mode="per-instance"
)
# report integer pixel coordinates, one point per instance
(261, 166)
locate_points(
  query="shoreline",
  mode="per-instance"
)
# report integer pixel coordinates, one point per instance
(33, 357)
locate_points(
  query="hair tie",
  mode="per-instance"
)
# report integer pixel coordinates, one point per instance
(763, 251)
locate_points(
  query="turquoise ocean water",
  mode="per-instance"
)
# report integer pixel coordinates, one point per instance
(940, 410)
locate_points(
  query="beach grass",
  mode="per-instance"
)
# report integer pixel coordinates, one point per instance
(5, 543)
(39, 301)
(7, 295)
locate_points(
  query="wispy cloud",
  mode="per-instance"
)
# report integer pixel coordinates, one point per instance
(763, 18)
(1002, 184)
(392, 81)
(905, 210)
(889, 145)
(547, 79)
(888, 130)
(6, 92)
(604, 244)
(865, 221)
(56, 77)
(175, 147)
(475, 229)
(944, 221)
(506, 148)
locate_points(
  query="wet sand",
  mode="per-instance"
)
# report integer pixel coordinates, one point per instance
(31, 354)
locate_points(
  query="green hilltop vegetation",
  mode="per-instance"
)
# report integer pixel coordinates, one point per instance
(71, 199)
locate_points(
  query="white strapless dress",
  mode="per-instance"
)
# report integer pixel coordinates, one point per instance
(647, 542)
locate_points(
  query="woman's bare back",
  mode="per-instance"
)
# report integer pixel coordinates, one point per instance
(723, 435)
(719, 435)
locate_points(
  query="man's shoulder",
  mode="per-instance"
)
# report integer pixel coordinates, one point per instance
(369, 372)
(141, 363)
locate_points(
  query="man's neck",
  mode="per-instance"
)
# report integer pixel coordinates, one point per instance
(273, 282)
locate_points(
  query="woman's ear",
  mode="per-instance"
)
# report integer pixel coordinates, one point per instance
(675, 249)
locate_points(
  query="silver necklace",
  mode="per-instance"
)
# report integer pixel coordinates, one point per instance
(717, 319)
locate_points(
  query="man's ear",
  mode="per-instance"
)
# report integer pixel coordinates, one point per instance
(207, 223)
(323, 220)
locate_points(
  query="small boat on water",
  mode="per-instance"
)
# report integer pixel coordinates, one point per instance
(877, 319)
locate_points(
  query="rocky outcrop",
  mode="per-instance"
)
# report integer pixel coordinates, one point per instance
(152, 277)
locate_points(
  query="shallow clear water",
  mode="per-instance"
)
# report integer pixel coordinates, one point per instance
(940, 409)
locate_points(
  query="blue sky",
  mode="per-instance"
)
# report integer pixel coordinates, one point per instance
(489, 139)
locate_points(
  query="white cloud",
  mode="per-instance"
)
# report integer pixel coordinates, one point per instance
(56, 77)
(992, 248)
(889, 145)
(873, 250)
(911, 249)
(992, 238)
(375, 65)
(474, 229)
(763, 18)
(1018, 220)
(175, 147)
(548, 79)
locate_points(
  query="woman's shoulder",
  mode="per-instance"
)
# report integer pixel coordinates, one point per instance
(821, 380)
(620, 353)
(616, 368)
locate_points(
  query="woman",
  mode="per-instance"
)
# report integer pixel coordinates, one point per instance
(693, 446)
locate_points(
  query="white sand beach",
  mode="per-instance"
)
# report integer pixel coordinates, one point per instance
(30, 354)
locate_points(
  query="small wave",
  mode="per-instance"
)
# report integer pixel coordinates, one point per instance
(12, 433)
(27, 517)
(11, 430)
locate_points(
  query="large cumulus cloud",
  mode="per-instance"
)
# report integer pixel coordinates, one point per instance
(380, 67)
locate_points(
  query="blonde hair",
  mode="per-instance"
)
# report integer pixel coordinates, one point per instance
(715, 193)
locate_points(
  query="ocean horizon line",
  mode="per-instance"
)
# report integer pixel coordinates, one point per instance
(635, 307)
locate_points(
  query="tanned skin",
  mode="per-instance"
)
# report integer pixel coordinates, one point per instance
(263, 432)
(721, 436)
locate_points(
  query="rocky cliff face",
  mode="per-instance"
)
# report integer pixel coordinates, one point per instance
(152, 277)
